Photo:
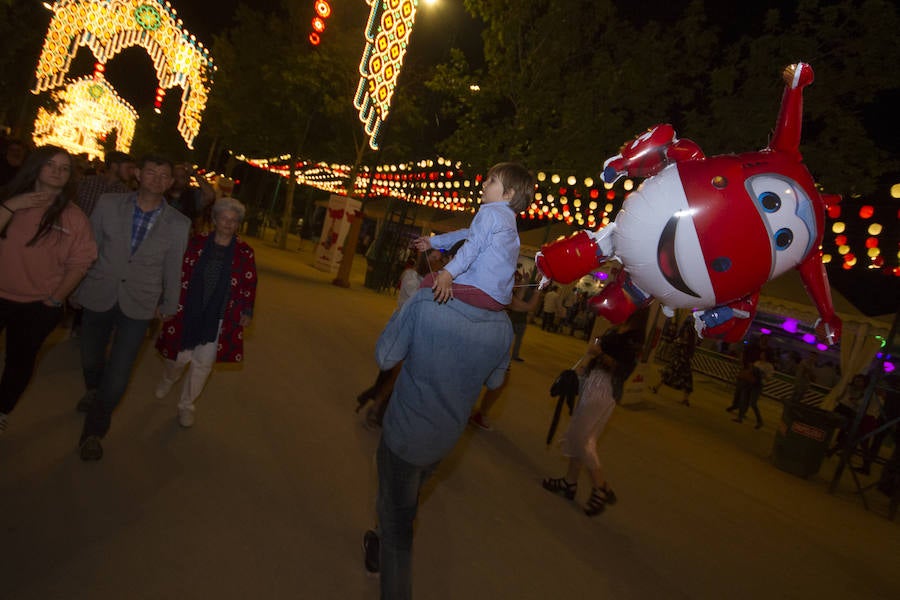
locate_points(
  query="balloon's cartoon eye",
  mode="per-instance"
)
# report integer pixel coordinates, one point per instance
(783, 238)
(721, 264)
(770, 201)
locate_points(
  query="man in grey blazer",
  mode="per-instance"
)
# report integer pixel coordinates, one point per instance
(137, 276)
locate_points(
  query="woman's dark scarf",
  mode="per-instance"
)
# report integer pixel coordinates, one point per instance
(201, 322)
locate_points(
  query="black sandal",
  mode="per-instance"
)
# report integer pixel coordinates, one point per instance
(600, 497)
(559, 485)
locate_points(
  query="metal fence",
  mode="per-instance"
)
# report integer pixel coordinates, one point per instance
(780, 387)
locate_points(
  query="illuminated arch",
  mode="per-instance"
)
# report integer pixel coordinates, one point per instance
(387, 36)
(89, 109)
(109, 26)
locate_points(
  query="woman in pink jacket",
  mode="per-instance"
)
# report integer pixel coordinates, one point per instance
(46, 247)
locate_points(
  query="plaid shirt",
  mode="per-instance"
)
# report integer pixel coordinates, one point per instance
(91, 188)
(141, 222)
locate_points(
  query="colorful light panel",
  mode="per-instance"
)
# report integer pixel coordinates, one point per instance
(109, 26)
(89, 110)
(387, 36)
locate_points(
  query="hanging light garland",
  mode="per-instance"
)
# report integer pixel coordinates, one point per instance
(89, 109)
(109, 26)
(580, 202)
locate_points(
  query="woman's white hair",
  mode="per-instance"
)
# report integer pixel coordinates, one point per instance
(227, 203)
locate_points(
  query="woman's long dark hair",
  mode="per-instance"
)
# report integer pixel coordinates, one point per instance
(25, 180)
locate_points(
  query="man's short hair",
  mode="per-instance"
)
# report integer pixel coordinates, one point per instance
(517, 178)
(156, 159)
(117, 158)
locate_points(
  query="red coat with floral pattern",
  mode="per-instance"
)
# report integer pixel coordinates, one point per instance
(241, 296)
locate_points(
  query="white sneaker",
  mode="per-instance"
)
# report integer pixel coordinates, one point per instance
(185, 417)
(163, 388)
(4, 422)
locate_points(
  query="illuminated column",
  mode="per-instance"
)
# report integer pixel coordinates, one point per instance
(387, 36)
(107, 27)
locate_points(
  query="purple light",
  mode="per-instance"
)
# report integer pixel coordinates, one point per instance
(601, 275)
(889, 367)
(809, 338)
(765, 331)
(821, 347)
(879, 355)
(790, 325)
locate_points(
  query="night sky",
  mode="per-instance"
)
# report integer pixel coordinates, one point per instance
(438, 28)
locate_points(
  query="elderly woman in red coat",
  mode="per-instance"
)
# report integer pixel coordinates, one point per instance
(218, 287)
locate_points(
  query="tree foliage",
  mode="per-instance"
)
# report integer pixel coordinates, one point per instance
(565, 83)
(22, 29)
(275, 94)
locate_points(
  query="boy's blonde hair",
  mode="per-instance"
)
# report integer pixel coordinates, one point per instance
(517, 178)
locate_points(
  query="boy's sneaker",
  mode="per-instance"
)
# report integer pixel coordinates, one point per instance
(372, 551)
(4, 422)
(479, 421)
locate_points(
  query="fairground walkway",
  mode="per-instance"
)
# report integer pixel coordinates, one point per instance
(268, 495)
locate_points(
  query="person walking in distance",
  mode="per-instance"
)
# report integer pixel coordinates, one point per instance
(803, 376)
(551, 306)
(759, 373)
(678, 374)
(744, 380)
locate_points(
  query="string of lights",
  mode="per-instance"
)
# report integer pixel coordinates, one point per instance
(856, 233)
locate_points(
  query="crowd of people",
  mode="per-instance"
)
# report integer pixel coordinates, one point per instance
(566, 310)
(112, 246)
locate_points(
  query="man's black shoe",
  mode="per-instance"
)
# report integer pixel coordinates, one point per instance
(87, 401)
(372, 550)
(91, 448)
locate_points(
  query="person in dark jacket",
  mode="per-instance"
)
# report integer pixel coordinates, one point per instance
(606, 366)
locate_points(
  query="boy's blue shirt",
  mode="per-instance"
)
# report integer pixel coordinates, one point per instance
(488, 258)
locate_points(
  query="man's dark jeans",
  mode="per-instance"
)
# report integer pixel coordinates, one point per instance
(109, 377)
(399, 483)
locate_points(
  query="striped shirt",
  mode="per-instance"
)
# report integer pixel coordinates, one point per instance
(91, 188)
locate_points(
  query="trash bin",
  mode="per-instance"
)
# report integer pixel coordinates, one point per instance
(803, 437)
